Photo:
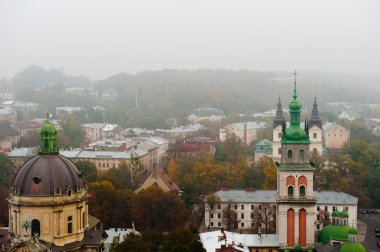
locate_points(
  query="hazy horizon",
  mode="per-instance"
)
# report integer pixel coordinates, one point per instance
(102, 38)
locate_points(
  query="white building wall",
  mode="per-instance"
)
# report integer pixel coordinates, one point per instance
(277, 143)
(316, 139)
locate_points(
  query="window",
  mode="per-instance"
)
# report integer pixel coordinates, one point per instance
(235, 207)
(212, 216)
(315, 135)
(259, 207)
(242, 224)
(242, 207)
(219, 215)
(290, 154)
(211, 224)
(326, 208)
(218, 206)
(252, 207)
(69, 224)
(242, 216)
(302, 191)
(346, 209)
(318, 208)
(219, 224)
(302, 155)
(252, 225)
(290, 191)
(279, 150)
(252, 216)
(318, 226)
(334, 208)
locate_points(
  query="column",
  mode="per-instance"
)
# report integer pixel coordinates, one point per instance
(296, 226)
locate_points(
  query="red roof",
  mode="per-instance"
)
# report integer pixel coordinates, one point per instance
(167, 180)
(191, 147)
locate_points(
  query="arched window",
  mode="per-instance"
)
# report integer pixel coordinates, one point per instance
(302, 191)
(290, 154)
(36, 228)
(290, 191)
(315, 151)
(302, 155)
(69, 224)
(315, 135)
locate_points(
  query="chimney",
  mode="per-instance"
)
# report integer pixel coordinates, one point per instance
(319, 189)
(245, 133)
(337, 190)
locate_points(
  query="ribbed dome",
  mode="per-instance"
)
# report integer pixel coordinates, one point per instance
(48, 175)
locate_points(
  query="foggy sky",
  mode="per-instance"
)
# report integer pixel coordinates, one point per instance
(101, 38)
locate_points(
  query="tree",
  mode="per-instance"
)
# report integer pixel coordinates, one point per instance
(119, 177)
(132, 243)
(156, 210)
(6, 171)
(89, 170)
(72, 130)
(182, 240)
(263, 216)
(230, 217)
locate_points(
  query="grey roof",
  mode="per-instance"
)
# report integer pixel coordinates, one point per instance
(269, 196)
(243, 196)
(101, 154)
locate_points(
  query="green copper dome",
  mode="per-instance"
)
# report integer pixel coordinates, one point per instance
(48, 136)
(353, 231)
(334, 232)
(352, 247)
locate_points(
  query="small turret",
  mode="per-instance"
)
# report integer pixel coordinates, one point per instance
(279, 119)
(315, 119)
(48, 136)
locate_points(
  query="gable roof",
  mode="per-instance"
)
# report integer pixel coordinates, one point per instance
(159, 173)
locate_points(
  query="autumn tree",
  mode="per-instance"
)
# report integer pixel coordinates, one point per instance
(268, 168)
(119, 177)
(181, 240)
(131, 243)
(156, 210)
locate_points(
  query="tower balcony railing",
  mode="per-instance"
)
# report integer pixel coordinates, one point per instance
(293, 198)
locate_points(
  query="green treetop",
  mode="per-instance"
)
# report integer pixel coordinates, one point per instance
(48, 136)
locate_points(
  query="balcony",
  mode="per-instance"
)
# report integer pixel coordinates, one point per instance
(301, 199)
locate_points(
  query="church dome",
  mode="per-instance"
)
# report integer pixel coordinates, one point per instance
(48, 175)
(352, 247)
(334, 232)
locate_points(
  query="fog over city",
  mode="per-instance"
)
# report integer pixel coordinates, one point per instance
(101, 38)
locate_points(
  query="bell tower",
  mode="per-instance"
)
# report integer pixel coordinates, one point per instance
(278, 122)
(295, 197)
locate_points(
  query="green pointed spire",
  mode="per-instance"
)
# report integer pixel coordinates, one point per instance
(295, 134)
(48, 136)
